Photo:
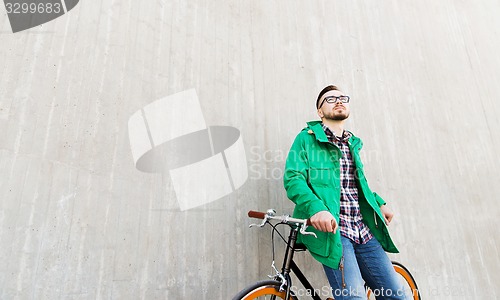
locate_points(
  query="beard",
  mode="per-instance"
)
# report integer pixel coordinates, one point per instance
(333, 115)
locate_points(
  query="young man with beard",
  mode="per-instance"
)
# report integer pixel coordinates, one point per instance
(324, 177)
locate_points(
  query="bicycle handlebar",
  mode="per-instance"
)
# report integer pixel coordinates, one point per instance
(256, 214)
(271, 215)
(285, 218)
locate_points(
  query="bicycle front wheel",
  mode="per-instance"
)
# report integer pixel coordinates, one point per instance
(267, 289)
(410, 285)
(408, 282)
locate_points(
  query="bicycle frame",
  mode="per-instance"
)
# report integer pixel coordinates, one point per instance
(290, 265)
(282, 281)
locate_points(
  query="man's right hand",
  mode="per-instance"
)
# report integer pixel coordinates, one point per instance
(324, 221)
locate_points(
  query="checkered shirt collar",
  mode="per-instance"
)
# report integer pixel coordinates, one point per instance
(346, 135)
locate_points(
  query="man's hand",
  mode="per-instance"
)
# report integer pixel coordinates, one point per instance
(324, 221)
(387, 213)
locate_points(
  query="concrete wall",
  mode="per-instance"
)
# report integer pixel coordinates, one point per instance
(78, 220)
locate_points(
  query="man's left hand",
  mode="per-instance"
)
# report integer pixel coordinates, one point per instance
(387, 213)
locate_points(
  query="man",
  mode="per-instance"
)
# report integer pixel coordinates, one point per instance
(324, 177)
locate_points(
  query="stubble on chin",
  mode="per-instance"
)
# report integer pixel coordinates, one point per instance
(337, 117)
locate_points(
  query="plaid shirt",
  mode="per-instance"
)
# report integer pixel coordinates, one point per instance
(351, 224)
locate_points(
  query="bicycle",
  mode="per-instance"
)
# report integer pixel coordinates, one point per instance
(279, 286)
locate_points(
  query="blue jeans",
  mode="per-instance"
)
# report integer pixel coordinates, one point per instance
(365, 263)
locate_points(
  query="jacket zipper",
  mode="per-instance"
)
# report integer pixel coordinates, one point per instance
(342, 270)
(375, 218)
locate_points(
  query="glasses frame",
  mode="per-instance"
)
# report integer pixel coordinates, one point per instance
(342, 98)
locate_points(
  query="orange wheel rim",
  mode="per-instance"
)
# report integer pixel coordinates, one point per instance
(408, 279)
(265, 290)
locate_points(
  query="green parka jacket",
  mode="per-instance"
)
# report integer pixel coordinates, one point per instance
(312, 182)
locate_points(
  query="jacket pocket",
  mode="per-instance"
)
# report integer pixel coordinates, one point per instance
(319, 245)
(322, 176)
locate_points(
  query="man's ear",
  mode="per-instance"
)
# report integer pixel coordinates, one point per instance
(320, 113)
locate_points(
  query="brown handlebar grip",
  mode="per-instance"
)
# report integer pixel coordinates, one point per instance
(309, 222)
(256, 214)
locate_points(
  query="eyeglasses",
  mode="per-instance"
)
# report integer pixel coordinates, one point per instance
(334, 99)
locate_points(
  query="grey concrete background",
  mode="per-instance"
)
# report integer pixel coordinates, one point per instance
(79, 221)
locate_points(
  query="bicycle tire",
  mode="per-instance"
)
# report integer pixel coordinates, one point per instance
(410, 283)
(267, 289)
